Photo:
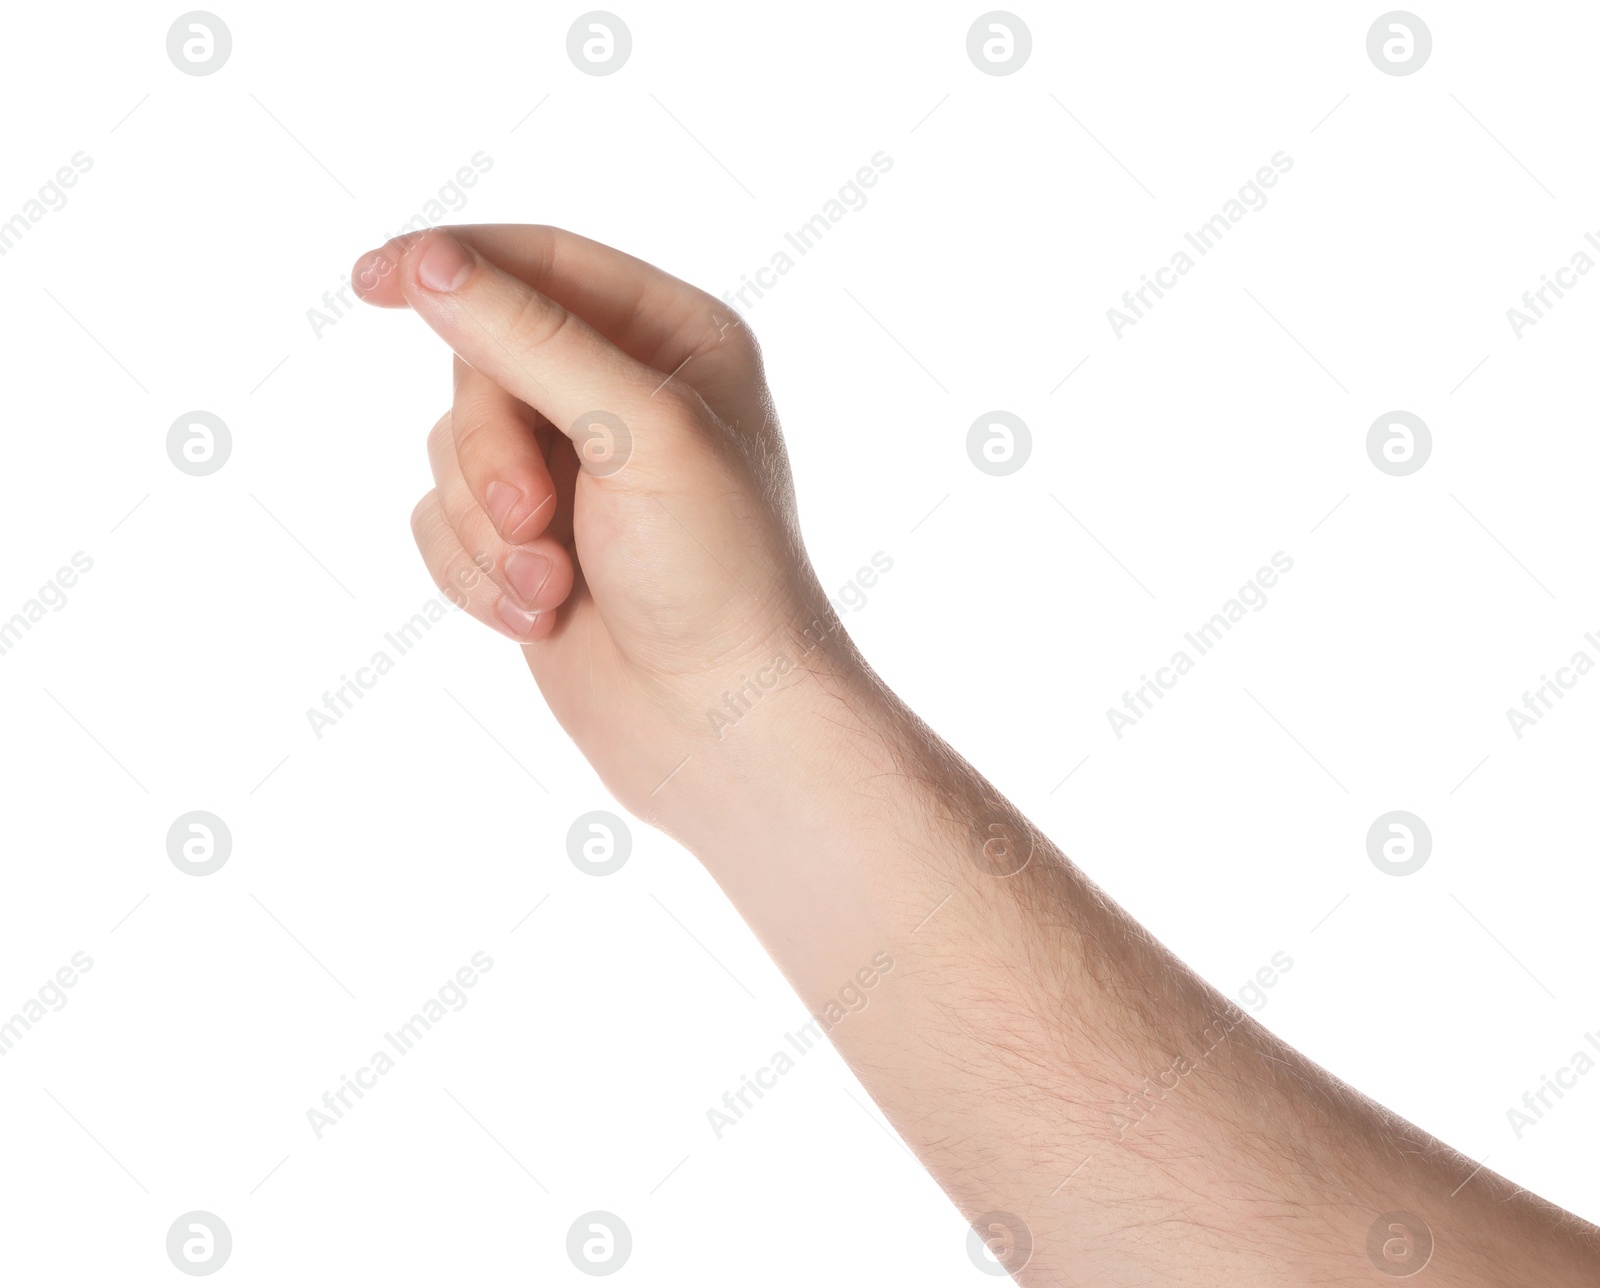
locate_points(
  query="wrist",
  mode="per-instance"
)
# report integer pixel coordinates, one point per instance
(800, 739)
(803, 814)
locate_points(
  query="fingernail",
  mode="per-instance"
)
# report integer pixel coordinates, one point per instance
(526, 526)
(527, 573)
(444, 265)
(517, 622)
(499, 500)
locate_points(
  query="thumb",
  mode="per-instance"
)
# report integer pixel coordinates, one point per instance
(616, 410)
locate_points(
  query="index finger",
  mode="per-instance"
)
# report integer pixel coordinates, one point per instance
(651, 315)
(535, 349)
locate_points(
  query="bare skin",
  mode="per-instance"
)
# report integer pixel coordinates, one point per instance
(1100, 1113)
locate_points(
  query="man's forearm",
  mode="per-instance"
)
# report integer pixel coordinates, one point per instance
(1043, 1055)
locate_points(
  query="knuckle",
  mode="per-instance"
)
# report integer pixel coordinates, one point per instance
(682, 407)
(439, 435)
(467, 431)
(424, 514)
(464, 578)
(453, 579)
(729, 328)
(537, 322)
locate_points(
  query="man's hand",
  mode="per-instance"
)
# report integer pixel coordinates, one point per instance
(611, 488)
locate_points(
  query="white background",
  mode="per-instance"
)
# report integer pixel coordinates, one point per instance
(369, 864)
